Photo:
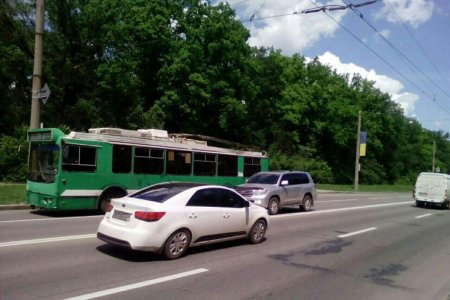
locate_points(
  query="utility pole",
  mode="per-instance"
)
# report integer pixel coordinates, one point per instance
(37, 69)
(358, 142)
(434, 156)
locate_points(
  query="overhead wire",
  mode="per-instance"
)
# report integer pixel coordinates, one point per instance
(395, 48)
(383, 59)
(392, 8)
(352, 6)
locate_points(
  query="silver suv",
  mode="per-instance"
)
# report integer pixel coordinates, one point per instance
(275, 189)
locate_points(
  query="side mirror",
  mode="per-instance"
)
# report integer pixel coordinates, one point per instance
(284, 182)
(246, 204)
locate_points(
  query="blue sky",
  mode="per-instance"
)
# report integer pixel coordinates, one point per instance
(416, 76)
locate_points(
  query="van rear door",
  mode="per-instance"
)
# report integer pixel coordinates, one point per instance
(431, 188)
(438, 189)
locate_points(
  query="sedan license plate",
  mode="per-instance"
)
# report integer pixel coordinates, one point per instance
(121, 215)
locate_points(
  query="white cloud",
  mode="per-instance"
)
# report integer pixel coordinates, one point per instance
(384, 83)
(414, 12)
(290, 33)
(407, 101)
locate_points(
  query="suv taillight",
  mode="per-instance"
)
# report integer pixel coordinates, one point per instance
(149, 216)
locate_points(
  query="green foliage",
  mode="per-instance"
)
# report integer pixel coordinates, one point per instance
(319, 170)
(186, 66)
(13, 156)
(12, 193)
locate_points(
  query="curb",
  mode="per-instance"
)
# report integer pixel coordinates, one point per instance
(14, 206)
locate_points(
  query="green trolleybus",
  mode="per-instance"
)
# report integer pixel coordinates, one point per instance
(85, 170)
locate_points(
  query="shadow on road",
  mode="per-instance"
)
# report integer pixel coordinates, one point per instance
(65, 214)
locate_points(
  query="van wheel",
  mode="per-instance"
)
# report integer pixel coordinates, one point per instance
(274, 206)
(419, 204)
(306, 203)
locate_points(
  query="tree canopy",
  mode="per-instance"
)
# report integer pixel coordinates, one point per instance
(186, 66)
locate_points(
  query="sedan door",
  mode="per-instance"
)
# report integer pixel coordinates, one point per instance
(209, 219)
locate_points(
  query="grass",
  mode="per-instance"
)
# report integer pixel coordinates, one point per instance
(12, 193)
(366, 188)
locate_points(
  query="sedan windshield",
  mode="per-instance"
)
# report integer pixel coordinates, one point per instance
(264, 178)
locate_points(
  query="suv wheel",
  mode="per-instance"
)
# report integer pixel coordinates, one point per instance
(306, 204)
(274, 206)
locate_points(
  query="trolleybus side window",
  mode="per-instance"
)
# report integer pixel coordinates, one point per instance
(79, 158)
(121, 160)
(178, 162)
(227, 165)
(148, 161)
(204, 164)
(252, 165)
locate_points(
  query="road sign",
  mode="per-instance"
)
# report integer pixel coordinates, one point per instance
(45, 93)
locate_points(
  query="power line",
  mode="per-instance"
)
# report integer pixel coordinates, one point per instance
(331, 7)
(380, 57)
(396, 49)
(417, 43)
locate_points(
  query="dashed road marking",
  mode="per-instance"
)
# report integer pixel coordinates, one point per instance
(356, 232)
(48, 240)
(138, 285)
(423, 216)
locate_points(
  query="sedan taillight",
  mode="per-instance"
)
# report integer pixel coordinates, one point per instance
(148, 216)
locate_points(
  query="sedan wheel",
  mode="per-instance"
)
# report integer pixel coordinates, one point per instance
(306, 204)
(273, 207)
(257, 232)
(177, 244)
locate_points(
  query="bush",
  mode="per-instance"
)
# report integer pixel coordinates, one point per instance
(319, 170)
(14, 156)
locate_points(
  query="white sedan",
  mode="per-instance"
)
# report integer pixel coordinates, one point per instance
(169, 218)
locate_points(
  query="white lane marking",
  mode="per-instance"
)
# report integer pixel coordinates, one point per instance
(357, 232)
(138, 285)
(423, 216)
(50, 219)
(322, 201)
(65, 238)
(339, 210)
(48, 240)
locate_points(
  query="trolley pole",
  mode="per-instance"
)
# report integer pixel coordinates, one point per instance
(37, 69)
(358, 142)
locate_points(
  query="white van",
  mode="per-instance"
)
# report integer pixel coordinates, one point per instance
(432, 188)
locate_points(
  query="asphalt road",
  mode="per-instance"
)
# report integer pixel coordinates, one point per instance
(352, 246)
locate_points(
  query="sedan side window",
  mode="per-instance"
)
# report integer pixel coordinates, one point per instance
(205, 198)
(229, 199)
